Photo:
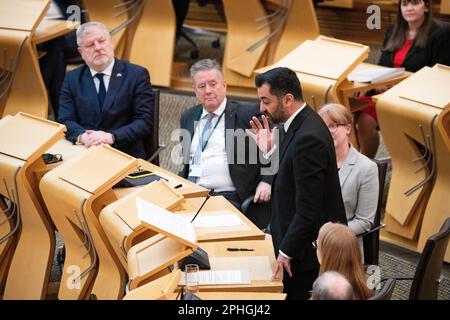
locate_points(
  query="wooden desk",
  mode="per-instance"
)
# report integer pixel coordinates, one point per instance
(445, 6)
(337, 4)
(50, 29)
(320, 72)
(75, 192)
(164, 288)
(213, 206)
(22, 26)
(412, 118)
(125, 230)
(20, 154)
(260, 262)
(347, 89)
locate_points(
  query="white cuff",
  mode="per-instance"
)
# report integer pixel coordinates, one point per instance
(268, 154)
(284, 255)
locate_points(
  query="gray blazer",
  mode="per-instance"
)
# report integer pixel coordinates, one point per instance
(358, 176)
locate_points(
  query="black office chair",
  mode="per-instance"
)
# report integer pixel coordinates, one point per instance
(425, 283)
(385, 293)
(371, 238)
(152, 146)
(258, 213)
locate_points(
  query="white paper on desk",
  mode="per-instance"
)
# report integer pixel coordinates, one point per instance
(374, 75)
(220, 220)
(165, 220)
(210, 277)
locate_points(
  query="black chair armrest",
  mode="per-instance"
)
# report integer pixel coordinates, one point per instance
(246, 203)
(156, 153)
(381, 226)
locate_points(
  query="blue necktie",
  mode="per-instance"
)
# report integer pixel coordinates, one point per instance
(205, 134)
(101, 90)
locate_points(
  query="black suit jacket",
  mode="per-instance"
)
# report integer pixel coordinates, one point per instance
(244, 174)
(126, 113)
(437, 50)
(305, 192)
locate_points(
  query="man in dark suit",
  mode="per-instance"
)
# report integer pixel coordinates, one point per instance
(216, 150)
(305, 191)
(107, 100)
(53, 63)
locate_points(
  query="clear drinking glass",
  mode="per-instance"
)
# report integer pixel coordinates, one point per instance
(191, 273)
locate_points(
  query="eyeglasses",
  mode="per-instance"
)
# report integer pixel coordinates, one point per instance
(333, 127)
(314, 244)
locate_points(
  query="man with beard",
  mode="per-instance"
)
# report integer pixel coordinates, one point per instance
(305, 191)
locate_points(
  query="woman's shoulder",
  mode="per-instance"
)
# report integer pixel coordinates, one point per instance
(363, 161)
(440, 28)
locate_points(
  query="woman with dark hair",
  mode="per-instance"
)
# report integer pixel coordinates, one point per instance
(338, 250)
(416, 40)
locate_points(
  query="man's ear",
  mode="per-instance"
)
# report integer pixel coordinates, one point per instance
(288, 98)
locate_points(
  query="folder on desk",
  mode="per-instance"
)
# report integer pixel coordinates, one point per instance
(375, 75)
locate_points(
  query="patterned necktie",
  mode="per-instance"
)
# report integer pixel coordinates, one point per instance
(101, 90)
(204, 137)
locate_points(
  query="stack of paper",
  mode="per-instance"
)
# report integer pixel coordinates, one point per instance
(374, 75)
(166, 222)
(221, 277)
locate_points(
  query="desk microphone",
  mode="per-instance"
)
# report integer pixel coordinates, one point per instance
(210, 193)
(199, 256)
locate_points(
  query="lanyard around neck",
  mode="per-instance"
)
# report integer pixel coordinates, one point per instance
(203, 144)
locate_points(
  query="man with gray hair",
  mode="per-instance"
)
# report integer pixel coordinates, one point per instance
(215, 155)
(332, 285)
(106, 101)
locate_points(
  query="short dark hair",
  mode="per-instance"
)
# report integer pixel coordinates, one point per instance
(281, 81)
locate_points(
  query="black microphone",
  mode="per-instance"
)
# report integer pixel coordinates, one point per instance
(210, 193)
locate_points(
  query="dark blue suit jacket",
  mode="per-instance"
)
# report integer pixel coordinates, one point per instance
(126, 113)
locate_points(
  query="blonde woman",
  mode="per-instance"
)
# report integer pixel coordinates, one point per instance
(358, 175)
(338, 250)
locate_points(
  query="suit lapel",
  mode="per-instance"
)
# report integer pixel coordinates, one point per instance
(118, 77)
(87, 83)
(295, 124)
(230, 124)
(193, 119)
(347, 166)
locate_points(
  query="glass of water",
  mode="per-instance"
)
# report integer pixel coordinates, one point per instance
(191, 273)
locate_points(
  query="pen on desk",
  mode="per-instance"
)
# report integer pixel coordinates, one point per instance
(240, 249)
(178, 186)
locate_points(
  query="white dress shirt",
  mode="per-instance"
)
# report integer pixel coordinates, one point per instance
(213, 161)
(106, 76)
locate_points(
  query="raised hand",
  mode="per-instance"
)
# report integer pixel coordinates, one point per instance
(262, 135)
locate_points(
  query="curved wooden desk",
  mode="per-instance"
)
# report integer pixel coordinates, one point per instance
(154, 42)
(164, 288)
(320, 72)
(144, 267)
(75, 192)
(20, 155)
(414, 122)
(21, 87)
